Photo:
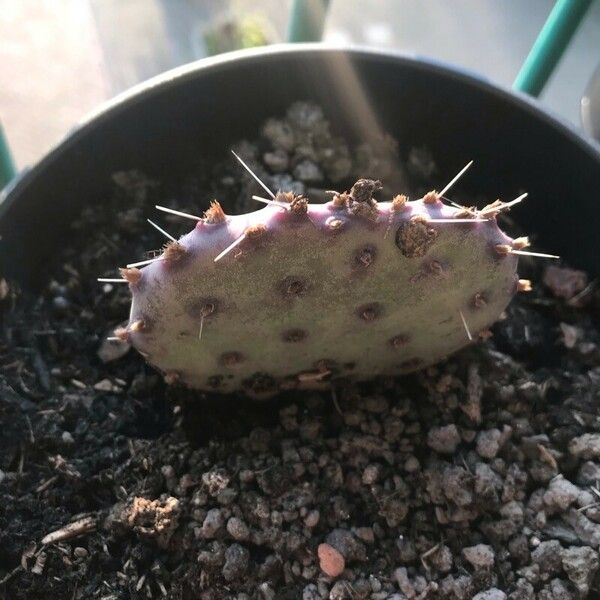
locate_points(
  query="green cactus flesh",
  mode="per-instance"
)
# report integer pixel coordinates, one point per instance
(311, 293)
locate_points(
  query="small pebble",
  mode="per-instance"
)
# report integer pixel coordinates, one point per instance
(331, 561)
(312, 519)
(237, 559)
(60, 305)
(488, 443)
(371, 474)
(412, 464)
(548, 556)
(444, 439)
(212, 523)
(586, 446)
(480, 556)
(491, 594)
(237, 529)
(307, 172)
(346, 543)
(581, 564)
(67, 438)
(560, 495)
(366, 534)
(277, 160)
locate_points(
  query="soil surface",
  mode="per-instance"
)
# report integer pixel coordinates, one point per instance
(476, 478)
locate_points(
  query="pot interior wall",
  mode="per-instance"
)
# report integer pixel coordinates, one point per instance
(204, 111)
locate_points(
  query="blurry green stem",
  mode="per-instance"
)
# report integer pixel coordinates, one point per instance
(7, 167)
(307, 20)
(550, 45)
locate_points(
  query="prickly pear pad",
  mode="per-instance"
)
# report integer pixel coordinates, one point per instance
(302, 294)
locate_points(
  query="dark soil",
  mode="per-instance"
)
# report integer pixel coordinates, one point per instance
(477, 478)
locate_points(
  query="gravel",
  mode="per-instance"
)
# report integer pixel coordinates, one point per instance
(480, 556)
(488, 443)
(444, 439)
(548, 557)
(560, 495)
(237, 559)
(213, 522)
(347, 544)
(491, 594)
(580, 563)
(237, 529)
(586, 446)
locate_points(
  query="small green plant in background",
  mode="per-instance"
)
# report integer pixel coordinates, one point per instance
(236, 33)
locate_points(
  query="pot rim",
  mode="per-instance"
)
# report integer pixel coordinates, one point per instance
(156, 84)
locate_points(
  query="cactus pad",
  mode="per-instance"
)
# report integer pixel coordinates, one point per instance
(303, 294)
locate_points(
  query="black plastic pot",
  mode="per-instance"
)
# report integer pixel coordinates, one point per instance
(204, 107)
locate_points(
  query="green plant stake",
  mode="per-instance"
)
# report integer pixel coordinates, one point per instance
(550, 45)
(307, 20)
(7, 166)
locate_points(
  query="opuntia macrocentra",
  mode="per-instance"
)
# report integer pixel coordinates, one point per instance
(297, 295)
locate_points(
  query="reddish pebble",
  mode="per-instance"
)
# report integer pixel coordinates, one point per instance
(330, 560)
